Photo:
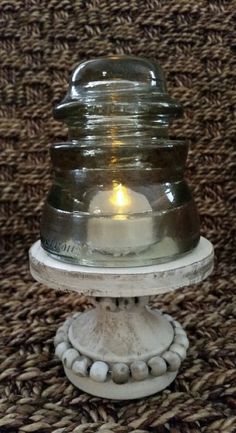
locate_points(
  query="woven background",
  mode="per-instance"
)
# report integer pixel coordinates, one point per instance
(40, 43)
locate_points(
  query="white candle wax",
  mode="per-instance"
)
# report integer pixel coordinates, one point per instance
(119, 233)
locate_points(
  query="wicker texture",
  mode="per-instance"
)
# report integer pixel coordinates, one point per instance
(40, 43)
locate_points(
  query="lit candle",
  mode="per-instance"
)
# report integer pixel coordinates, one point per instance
(112, 229)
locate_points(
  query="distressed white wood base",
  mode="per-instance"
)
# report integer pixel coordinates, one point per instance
(121, 349)
(93, 343)
(191, 268)
(128, 391)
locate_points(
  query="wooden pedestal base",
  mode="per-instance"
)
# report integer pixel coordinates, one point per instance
(122, 349)
(121, 354)
(127, 391)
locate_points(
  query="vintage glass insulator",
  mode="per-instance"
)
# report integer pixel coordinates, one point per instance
(119, 197)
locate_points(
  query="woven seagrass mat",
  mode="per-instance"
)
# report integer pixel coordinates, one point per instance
(41, 41)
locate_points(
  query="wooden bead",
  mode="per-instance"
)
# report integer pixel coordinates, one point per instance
(142, 300)
(139, 370)
(120, 373)
(125, 303)
(168, 317)
(108, 304)
(98, 371)
(180, 331)
(180, 350)
(158, 366)
(61, 348)
(59, 338)
(177, 324)
(81, 366)
(182, 340)
(173, 360)
(60, 329)
(69, 356)
(67, 324)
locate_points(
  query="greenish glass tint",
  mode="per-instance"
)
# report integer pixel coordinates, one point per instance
(119, 196)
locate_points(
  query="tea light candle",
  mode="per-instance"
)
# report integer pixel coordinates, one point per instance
(112, 229)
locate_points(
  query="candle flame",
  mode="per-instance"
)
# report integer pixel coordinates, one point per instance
(120, 197)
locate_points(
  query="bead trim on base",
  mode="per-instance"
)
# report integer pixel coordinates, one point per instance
(120, 372)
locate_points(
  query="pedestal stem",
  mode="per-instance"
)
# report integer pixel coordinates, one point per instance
(123, 335)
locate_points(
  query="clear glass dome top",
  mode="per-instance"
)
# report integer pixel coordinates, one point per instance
(119, 197)
(120, 86)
